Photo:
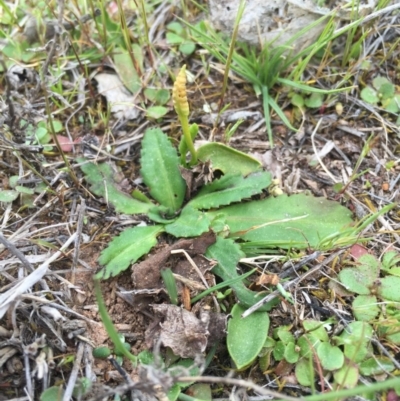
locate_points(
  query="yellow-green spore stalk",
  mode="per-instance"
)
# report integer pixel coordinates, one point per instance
(182, 109)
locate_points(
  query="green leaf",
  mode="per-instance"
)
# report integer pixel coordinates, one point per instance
(365, 307)
(42, 135)
(304, 372)
(379, 81)
(161, 214)
(291, 221)
(227, 160)
(156, 111)
(297, 100)
(393, 105)
(347, 376)
(308, 344)
(356, 337)
(316, 329)
(191, 223)
(127, 248)
(227, 253)
(376, 366)
(390, 259)
(174, 39)
(279, 351)
(369, 95)
(160, 169)
(386, 91)
(8, 195)
(331, 357)
(231, 188)
(200, 391)
(24, 190)
(361, 278)
(126, 70)
(187, 47)
(292, 353)
(389, 288)
(101, 178)
(246, 336)
(176, 27)
(109, 326)
(314, 101)
(159, 96)
(173, 392)
(54, 393)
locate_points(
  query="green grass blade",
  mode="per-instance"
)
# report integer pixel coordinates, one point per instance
(108, 324)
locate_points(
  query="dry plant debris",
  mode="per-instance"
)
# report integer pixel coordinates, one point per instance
(54, 109)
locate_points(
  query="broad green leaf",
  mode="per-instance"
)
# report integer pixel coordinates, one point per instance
(176, 27)
(297, 100)
(227, 160)
(393, 105)
(386, 91)
(8, 195)
(390, 259)
(174, 39)
(304, 372)
(365, 307)
(279, 351)
(227, 254)
(191, 223)
(161, 214)
(156, 111)
(126, 70)
(284, 335)
(173, 392)
(360, 279)
(127, 248)
(54, 393)
(376, 366)
(389, 288)
(314, 101)
(246, 336)
(101, 178)
(231, 188)
(158, 96)
(200, 391)
(316, 329)
(369, 95)
(292, 353)
(187, 47)
(356, 338)
(331, 357)
(380, 81)
(299, 221)
(308, 344)
(160, 169)
(24, 190)
(347, 376)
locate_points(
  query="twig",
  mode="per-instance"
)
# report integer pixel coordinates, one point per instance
(79, 227)
(286, 285)
(237, 382)
(74, 373)
(9, 296)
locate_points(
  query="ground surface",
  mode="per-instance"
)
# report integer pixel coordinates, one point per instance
(38, 222)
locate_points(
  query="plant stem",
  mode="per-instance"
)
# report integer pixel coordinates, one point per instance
(188, 138)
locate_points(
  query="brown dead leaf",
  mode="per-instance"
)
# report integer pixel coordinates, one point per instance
(180, 330)
(183, 332)
(146, 274)
(266, 279)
